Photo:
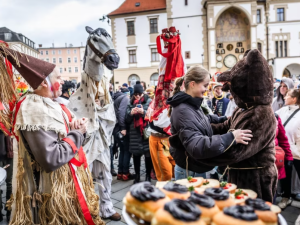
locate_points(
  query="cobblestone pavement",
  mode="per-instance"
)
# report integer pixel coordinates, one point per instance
(120, 188)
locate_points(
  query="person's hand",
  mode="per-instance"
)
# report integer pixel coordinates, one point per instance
(133, 111)
(123, 132)
(242, 136)
(79, 125)
(97, 101)
(140, 110)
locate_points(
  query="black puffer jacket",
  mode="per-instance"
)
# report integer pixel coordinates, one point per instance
(137, 144)
(120, 104)
(192, 134)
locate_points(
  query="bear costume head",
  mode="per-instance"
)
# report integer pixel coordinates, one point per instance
(250, 81)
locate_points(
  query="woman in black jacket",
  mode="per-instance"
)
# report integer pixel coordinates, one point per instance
(138, 145)
(192, 136)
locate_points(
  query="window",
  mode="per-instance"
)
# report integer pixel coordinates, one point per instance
(276, 47)
(281, 53)
(75, 59)
(259, 47)
(132, 56)
(68, 51)
(47, 60)
(75, 51)
(154, 79)
(61, 70)
(154, 55)
(42, 53)
(133, 78)
(186, 2)
(239, 44)
(280, 14)
(59, 52)
(130, 28)
(70, 70)
(60, 60)
(7, 36)
(69, 60)
(76, 69)
(153, 26)
(54, 60)
(285, 49)
(187, 55)
(53, 52)
(258, 16)
(46, 52)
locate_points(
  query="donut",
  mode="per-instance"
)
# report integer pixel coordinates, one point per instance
(173, 190)
(237, 215)
(263, 211)
(190, 181)
(143, 200)
(241, 195)
(206, 204)
(207, 183)
(221, 197)
(228, 187)
(179, 212)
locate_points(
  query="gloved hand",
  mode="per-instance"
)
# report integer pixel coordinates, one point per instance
(289, 163)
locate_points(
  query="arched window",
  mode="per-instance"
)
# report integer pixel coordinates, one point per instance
(259, 46)
(154, 79)
(134, 78)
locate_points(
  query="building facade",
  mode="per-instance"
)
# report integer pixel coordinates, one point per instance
(67, 60)
(214, 33)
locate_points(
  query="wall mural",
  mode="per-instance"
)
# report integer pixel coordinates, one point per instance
(232, 26)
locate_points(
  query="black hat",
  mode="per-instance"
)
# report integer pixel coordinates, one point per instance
(138, 88)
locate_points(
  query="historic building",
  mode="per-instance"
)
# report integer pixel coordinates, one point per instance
(214, 33)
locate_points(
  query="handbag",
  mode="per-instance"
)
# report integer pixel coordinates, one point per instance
(279, 154)
(146, 133)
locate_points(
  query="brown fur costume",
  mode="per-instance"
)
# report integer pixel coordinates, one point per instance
(250, 82)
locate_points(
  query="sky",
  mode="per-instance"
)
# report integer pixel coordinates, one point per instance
(55, 21)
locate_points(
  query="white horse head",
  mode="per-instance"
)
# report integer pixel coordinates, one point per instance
(99, 50)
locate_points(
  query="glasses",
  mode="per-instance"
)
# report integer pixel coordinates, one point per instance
(137, 94)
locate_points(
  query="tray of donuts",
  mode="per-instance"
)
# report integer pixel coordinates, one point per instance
(197, 201)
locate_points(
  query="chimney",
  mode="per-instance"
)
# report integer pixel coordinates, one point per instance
(40, 45)
(66, 45)
(52, 45)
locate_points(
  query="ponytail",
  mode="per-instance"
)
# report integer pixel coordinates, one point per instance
(178, 84)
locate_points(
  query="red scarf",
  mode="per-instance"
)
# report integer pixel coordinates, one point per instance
(138, 119)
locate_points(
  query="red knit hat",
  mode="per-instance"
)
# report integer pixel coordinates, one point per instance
(33, 70)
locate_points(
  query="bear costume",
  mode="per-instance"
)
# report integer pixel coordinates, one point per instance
(250, 166)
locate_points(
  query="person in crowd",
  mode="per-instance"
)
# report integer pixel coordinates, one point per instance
(285, 85)
(68, 89)
(121, 137)
(192, 136)
(219, 101)
(125, 85)
(231, 106)
(111, 90)
(150, 92)
(143, 83)
(135, 118)
(6, 161)
(284, 173)
(290, 117)
(276, 85)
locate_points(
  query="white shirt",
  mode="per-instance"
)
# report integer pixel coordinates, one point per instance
(292, 128)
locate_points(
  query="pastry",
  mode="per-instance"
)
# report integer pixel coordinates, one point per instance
(179, 212)
(143, 200)
(173, 190)
(190, 181)
(221, 197)
(237, 215)
(228, 186)
(207, 183)
(241, 195)
(206, 205)
(263, 211)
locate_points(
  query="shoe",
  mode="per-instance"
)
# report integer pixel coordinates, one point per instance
(128, 176)
(113, 173)
(148, 178)
(284, 203)
(115, 217)
(120, 176)
(297, 197)
(137, 179)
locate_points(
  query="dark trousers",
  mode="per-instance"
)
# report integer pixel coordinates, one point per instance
(8, 180)
(124, 156)
(111, 158)
(137, 164)
(286, 182)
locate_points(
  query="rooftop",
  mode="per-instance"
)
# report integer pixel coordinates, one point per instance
(134, 6)
(11, 36)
